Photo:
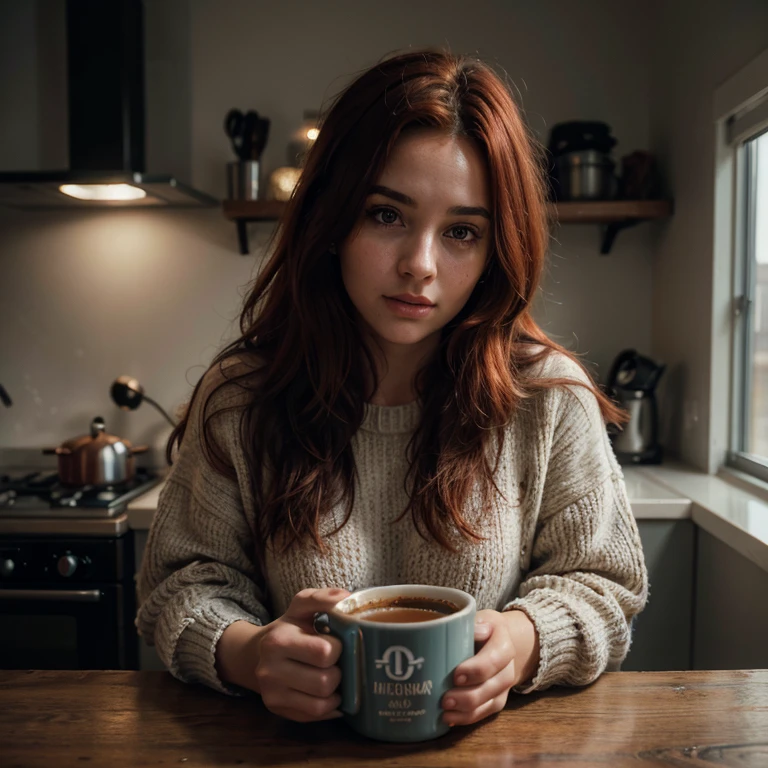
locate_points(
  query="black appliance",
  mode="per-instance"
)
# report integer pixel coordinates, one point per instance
(632, 382)
(67, 562)
(580, 135)
(106, 100)
(67, 603)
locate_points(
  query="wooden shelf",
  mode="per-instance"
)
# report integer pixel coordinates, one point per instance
(609, 211)
(615, 214)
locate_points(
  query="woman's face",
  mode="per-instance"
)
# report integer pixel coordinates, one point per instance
(422, 243)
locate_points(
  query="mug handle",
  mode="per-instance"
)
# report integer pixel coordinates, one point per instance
(349, 662)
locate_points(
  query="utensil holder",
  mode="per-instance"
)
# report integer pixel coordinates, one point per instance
(243, 180)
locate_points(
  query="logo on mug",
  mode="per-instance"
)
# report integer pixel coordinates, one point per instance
(399, 662)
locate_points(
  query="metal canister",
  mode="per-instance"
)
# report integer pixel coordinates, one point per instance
(243, 180)
(585, 175)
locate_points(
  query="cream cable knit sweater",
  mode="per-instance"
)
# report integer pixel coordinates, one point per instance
(562, 545)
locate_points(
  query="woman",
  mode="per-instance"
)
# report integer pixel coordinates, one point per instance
(392, 414)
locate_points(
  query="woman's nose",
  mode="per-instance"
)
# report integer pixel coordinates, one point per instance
(419, 258)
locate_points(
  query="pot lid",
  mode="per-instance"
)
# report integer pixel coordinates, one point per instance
(98, 436)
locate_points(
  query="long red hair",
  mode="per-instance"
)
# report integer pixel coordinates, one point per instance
(310, 365)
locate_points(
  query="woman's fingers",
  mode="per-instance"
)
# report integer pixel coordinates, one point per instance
(296, 668)
(301, 707)
(308, 602)
(487, 708)
(304, 678)
(470, 699)
(291, 641)
(323, 655)
(494, 656)
(482, 682)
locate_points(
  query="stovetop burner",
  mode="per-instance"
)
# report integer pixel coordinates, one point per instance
(40, 494)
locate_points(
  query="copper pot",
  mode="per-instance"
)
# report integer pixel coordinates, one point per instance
(96, 459)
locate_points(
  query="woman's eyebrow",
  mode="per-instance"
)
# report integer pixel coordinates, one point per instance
(457, 210)
(394, 194)
(470, 210)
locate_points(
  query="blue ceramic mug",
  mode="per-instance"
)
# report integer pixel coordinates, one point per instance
(394, 675)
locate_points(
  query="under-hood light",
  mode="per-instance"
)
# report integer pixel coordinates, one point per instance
(103, 191)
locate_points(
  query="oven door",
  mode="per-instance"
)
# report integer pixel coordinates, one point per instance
(72, 627)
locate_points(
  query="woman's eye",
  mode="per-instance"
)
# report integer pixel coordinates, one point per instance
(463, 234)
(388, 217)
(385, 216)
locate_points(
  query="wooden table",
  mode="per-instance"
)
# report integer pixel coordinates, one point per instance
(61, 719)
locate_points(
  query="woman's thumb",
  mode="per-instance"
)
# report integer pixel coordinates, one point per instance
(308, 602)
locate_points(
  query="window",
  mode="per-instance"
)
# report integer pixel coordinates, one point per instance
(755, 396)
(747, 134)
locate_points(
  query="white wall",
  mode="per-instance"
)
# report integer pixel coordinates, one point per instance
(690, 60)
(87, 297)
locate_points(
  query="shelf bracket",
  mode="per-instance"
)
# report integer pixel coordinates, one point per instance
(613, 229)
(242, 236)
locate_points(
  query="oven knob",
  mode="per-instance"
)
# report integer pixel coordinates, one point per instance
(6, 567)
(67, 565)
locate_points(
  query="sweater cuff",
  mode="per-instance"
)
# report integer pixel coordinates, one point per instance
(559, 638)
(195, 656)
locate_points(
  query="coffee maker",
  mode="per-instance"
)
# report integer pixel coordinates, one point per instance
(632, 382)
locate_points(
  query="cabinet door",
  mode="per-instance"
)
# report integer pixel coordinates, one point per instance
(731, 609)
(661, 637)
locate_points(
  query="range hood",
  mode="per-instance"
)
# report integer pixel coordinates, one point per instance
(106, 99)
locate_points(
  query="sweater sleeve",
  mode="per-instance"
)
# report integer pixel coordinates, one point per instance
(198, 573)
(588, 577)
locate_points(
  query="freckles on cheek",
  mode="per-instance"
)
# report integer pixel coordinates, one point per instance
(464, 279)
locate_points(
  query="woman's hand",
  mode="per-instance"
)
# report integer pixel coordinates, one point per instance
(293, 668)
(509, 656)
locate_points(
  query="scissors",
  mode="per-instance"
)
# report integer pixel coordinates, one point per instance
(248, 133)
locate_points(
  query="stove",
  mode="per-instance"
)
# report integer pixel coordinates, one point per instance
(36, 502)
(67, 561)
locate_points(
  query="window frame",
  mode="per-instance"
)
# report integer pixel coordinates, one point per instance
(735, 186)
(743, 318)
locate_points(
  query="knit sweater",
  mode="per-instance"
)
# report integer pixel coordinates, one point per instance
(560, 542)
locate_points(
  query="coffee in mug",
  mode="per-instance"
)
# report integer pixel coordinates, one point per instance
(405, 610)
(400, 647)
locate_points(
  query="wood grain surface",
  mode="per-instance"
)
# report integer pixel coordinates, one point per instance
(61, 719)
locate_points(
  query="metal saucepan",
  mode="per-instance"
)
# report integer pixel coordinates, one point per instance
(96, 459)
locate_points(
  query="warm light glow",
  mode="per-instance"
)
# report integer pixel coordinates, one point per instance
(282, 182)
(312, 134)
(103, 191)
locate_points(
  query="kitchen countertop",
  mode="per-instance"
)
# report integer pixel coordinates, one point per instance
(76, 718)
(723, 509)
(651, 500)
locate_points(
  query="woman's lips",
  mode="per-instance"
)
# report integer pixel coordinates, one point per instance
(406, 309)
